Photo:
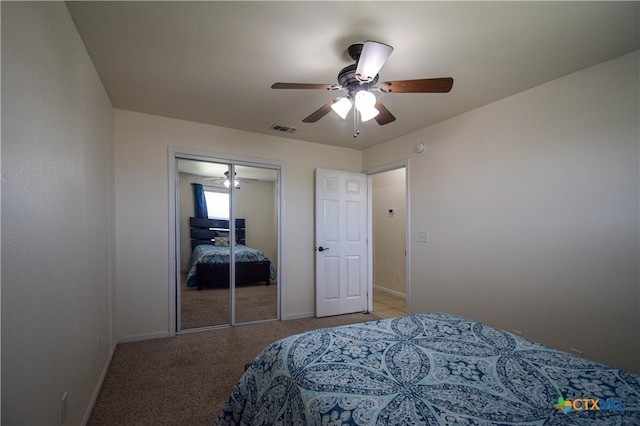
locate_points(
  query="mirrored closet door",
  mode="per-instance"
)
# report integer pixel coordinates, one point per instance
(256, 254)
(228, 216)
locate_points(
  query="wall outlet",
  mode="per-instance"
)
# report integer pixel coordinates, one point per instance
(423, 237)
(63, 409)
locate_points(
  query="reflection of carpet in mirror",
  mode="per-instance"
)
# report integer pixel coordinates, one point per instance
(210, 307)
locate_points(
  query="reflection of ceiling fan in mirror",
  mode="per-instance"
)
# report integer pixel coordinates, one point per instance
(224, 180)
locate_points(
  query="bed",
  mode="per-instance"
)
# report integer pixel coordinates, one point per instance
(209, 262)
(432, 368)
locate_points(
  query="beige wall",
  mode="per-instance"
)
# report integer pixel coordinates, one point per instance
(57, 218)
(256, 203)
(141, 168)
(389, 231)
(532, 208)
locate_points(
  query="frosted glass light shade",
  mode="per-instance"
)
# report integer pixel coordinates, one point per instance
(342, 107)
(365, 103)
(368, 113)
(365, 100)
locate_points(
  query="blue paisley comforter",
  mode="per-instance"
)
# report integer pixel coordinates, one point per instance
(214, 254)
(427, 369)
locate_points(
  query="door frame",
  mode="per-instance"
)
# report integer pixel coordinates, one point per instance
(175, 153)
(374, 171)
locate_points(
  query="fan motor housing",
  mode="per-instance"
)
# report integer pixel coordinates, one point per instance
(347, 79)
(355, 50)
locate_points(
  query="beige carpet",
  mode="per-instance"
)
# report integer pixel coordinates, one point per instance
(187, 379)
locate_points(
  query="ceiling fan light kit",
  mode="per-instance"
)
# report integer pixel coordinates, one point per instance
(225, 180)
(360, 79)
(227, 183)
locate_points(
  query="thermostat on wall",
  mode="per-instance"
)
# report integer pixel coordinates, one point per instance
(420, 148)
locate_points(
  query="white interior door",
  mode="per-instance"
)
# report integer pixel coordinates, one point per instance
(341, 242)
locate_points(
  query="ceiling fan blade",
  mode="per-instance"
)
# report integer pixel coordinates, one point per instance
(384, 116)
(321, 112)
(425, 85)
(372, 58)
(303, 86)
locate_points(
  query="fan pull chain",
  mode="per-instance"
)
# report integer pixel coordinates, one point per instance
(356, 132)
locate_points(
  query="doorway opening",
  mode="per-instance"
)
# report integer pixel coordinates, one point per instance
(389, 213)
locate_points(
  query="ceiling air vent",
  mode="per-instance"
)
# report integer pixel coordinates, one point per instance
(284, 129)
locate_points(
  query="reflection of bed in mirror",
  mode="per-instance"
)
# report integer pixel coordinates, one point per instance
(209, 264)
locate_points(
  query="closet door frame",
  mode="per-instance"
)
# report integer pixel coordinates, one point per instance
(176, 153)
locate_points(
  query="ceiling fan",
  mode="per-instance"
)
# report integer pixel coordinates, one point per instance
(224, 180)
(360, 80)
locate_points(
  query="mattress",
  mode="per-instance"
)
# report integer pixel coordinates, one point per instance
(430, 368)
(215, 254)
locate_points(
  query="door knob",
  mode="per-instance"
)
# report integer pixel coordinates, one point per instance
(322, 248)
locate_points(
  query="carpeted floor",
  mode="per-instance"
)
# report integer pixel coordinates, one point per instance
(187, 379)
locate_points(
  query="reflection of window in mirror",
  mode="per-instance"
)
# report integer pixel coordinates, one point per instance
(217, 204)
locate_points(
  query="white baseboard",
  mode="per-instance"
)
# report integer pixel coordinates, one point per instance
(299, 316)
(388, 290)
(103, 375)
(139, 337)
(312, 314)
(98, 387)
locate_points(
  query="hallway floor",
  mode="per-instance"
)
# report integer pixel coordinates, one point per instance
(387, 305)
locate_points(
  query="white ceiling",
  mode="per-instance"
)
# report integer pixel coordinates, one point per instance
(214, 62)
